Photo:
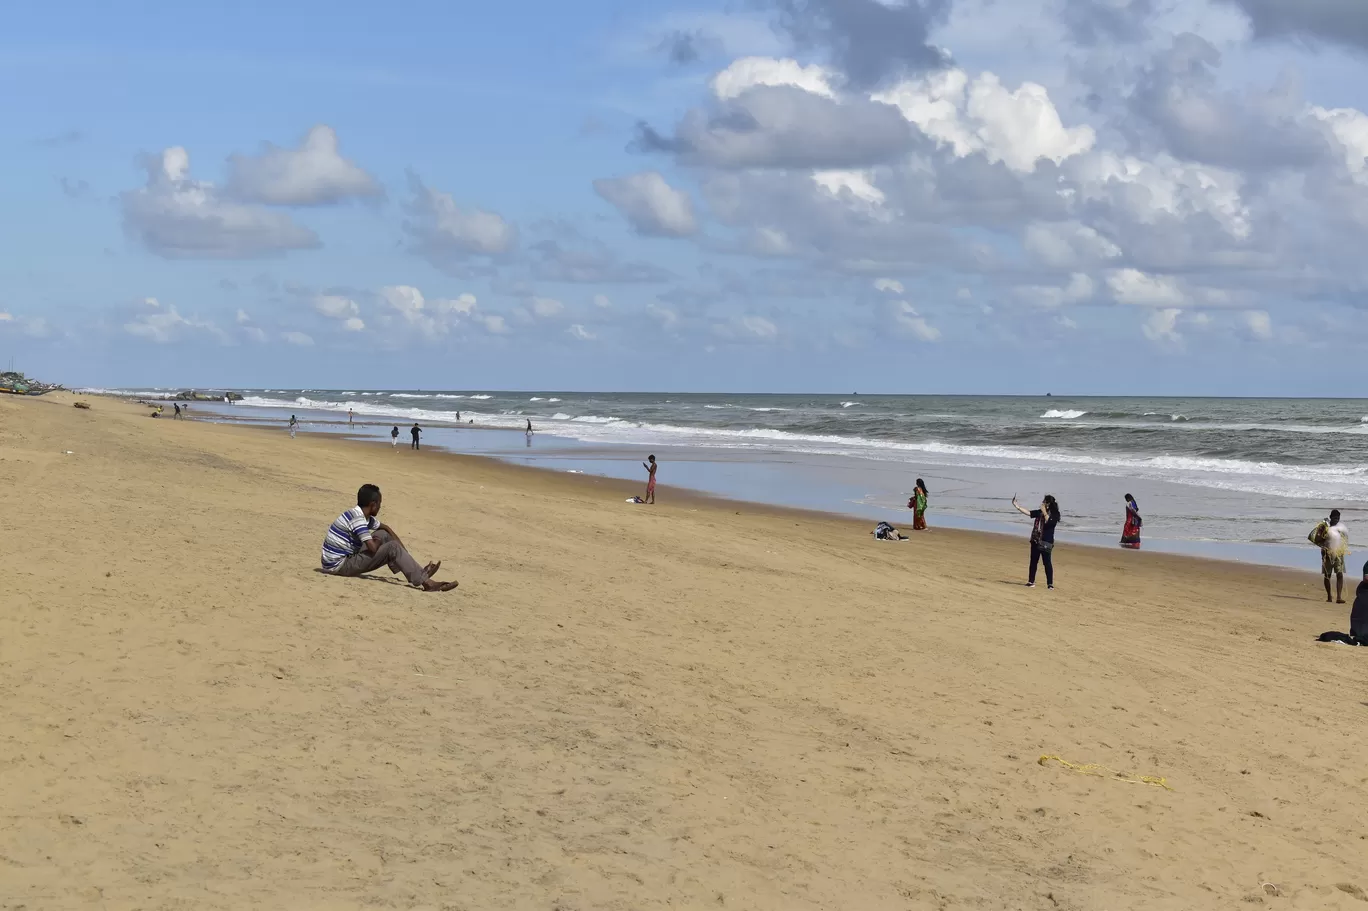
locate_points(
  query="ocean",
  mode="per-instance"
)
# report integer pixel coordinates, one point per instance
(1239, 471)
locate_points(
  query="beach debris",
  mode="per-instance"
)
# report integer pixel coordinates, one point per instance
(1271, 888)
(1351, 889)
(67, 452)
(1101, 771)
(81, 405)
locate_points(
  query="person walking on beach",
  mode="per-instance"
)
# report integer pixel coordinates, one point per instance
(529, 424)
(1332, 537)
(1042, 537)
(178, 413)
(394, 436)
(294, 425)
(650, 466)
(351, 418)
(1130, 531)
(358, 543)
(918, 506)
(414, 433)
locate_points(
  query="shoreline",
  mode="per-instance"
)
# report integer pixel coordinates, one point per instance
(1274, 555)
(629, 707)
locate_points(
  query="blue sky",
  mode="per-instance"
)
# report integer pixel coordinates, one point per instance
(1103, 196)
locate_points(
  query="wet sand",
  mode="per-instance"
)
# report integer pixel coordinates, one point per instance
(698, 705)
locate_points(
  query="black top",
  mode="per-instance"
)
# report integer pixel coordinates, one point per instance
(1044, 530)
(415, 431)
(1358, 617)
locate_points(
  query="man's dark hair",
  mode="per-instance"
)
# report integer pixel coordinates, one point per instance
(1334, 514)
(367, 495)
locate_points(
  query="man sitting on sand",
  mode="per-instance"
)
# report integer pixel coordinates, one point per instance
(1332, 537)
(357, 543)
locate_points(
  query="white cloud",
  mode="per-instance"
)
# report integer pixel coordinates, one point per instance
(163, 323)
(858, 184)
(1350, 129)
(493, 323)
(297, 338)
(747, 328)
(313, 174)
(437, 316)
(668, 318)
(1079, 288)
(1162, 326)
(650, 204)
(180, 218)
(602, 302)
(1131, 286)
(342, 309)
(546, 307)
(1066, 245)
(1018, 127)
(889, 285)
(581, 333)
(749, 72)
(445, 233)
(907, 321)
(243, 318)
(1260, 323)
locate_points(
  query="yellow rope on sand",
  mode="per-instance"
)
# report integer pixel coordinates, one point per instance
(1101, 771)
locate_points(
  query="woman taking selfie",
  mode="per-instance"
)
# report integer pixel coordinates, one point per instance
(1042, 537)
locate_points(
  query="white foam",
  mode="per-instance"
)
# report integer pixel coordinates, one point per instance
(1067, 415)
(849, 404)
(481, 397)
(536, 398)
(553, 400)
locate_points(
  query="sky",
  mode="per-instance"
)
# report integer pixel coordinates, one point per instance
(939, 196)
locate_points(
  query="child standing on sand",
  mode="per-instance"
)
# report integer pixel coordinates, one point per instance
(650, 466)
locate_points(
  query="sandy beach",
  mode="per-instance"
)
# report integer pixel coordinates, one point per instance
(703, 704)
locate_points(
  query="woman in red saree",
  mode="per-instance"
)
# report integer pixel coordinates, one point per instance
(1130, 532)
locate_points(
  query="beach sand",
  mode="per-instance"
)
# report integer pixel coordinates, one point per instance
(698, 705)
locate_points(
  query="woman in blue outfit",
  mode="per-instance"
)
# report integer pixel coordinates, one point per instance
(1042, 537)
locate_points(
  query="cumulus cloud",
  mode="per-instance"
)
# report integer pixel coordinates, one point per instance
(313, 174)
(1019, 127)
(889, 285)
(748, 72)
(436, 316)
(650, 204)
(1162, 326)
(908, 322)
(299, 339)
(1131, 286)
(579, 332)
(163, 323)
(179, 218)
(1259, 323)
(1068, 245)
(342, 309)
(781, 126)
(447, 234)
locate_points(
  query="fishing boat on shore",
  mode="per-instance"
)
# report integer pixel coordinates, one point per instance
(15, 383)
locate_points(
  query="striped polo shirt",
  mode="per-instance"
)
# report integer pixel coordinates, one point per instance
(346, 536)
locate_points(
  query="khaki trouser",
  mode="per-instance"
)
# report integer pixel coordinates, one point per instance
(389, 553)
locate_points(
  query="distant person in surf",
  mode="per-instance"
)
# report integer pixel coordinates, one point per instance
(1332, 537)
(1042, 537)
(394, 436)
(650, 466)
(917, 504)
(294, 425)
(529, 425)
(415, 432)
(1130, 532)
(351, 418)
